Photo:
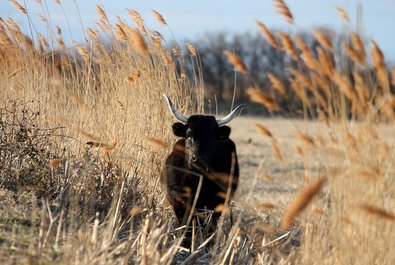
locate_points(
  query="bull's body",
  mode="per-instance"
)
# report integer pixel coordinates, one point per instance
(205, 157)
(219, 173)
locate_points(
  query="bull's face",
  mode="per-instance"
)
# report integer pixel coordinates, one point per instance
(201, 133)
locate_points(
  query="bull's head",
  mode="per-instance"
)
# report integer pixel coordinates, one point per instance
(201, 133)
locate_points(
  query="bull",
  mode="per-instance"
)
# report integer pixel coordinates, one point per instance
(202, 171)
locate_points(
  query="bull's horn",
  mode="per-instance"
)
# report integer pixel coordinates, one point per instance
(230, 117)
(174, 111)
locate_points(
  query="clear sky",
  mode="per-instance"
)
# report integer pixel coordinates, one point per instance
(188, 19)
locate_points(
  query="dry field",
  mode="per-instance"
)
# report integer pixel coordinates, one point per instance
(84, 132)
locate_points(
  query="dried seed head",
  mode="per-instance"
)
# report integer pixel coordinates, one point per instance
(159, 17)
(326, 61)
(235, 60)
(323, 40)
(221, 208)
(176, 51)
(267, 34)
(393, 76)
(344, 84)
(277, 84)
(343, 14)
(19, 6)
(301, 200)
(266, 206)
(54, 163)
(379, 65)
(305, 138)
(361, 89)
(378, 212)
(276, 151)
(262, 98)
(138, 42)
(192, 49)
(353, 54)
(263, 130)
(283, 10)
(288, 45)
(264, 174)
(136, 211)
(358, 44)
(157, 142)
(136, 18)
(101, 12)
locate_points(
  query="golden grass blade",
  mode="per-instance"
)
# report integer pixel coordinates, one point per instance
(262, 98)
(267, 34)
(235, 60)
(302, 45)
(136, 18)
(358, 44)
(326, 61)
(300, 202)
(344, 84)
(263, 130)
(19, 6)
(266, 206)
(192, 49)
(288, 45)
(221, 208)
(300, 91)
(393, 76)
(379, 65)
(361, 89)
(276, 151)
(176, 52)
(277, 84)
(264, 174)
(283, 10)
(54, 163)
(159, 17)
(136, 211)
(83, 52)
(353, 54)
(300, 150)
(156, 142)
(343, 14)
(323, 40)
(305, 138)
(14, 73)
(139, 42)
(101, 12)
(378, 212)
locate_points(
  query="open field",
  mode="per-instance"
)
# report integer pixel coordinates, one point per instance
(84, 132)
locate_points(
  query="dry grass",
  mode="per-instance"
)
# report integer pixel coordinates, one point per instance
(84, 133)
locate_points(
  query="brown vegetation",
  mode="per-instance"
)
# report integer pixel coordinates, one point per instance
(84, 132)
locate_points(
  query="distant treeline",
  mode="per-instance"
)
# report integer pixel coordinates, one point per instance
(221, 81)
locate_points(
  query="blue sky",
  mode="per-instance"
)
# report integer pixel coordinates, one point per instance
(188, 19)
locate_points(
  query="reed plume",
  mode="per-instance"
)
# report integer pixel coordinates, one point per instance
(262, 98)
(300, 202)
(288, 45)
(236, 61)
(283, 10)
(267, 34)
(19, 7)
(159, 17)
(277, 84)
(343, 14)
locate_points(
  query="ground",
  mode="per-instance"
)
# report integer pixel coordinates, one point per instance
(255, 151)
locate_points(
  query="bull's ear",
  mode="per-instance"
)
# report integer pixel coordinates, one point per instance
(223, 133)
(179, 129)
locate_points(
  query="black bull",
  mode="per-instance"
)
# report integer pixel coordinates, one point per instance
(205, 157)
